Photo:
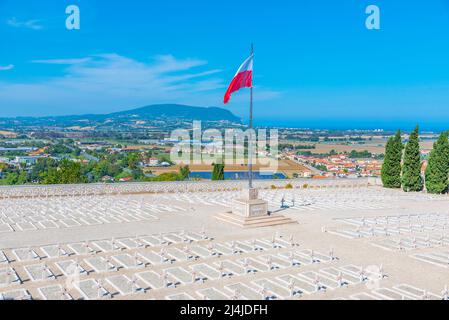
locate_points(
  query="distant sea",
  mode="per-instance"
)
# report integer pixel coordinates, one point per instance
(404, 125)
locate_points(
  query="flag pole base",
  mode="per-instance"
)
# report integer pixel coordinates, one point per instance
(254, 222)
(252, 212)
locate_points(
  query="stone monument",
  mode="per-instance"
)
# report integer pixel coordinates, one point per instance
(250, 211)
(249, 205)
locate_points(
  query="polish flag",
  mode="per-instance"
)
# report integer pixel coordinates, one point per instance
(242, 79)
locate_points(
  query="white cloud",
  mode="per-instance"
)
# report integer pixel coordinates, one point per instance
(62, 61)
(29, 24)
(111, 82)
(168, 63)
(7, 67)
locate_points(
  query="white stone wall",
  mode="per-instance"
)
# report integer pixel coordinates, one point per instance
(176, 187)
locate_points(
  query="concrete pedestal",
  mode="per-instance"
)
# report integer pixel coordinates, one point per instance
(250, 208)
(251, 212)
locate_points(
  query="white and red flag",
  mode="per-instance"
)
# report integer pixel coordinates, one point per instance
(242, 79)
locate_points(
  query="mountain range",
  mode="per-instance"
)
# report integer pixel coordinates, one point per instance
(159, 112)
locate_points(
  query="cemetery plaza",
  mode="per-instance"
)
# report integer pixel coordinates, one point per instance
(353, 240)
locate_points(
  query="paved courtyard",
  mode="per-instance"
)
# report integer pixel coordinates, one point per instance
(352, 241)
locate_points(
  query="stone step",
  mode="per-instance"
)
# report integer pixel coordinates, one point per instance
(251, 220)
(254, 222)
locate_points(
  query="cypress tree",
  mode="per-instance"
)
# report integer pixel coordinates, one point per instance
(411, 170)
(221, 172)
(391, 168)
(218, 172)
(386, 167)
(214, 172)
(184, 173)
(437, 171)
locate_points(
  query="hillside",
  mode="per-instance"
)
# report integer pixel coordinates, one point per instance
(178, 112)
(160, 112)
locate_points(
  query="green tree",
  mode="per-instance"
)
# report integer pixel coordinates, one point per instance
(101, 169)
(71, 172)
(39, 169)
(391, 168)
(137, 174)
(354, 154)
(50, 176)
(132, 160)
(437, 171)
(15, 178)
(59, 148)
(22, 178)
(218, 172)
(11, 178)
(411, 170)
(184, 172)
(68, 172)
(3, 166)
(76, 152)
(169, 176)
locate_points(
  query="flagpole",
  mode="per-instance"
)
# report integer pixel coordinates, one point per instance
(250, 148)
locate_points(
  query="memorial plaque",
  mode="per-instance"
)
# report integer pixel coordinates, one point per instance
(250, 208)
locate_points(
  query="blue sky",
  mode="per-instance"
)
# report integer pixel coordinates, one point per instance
(315, 64)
